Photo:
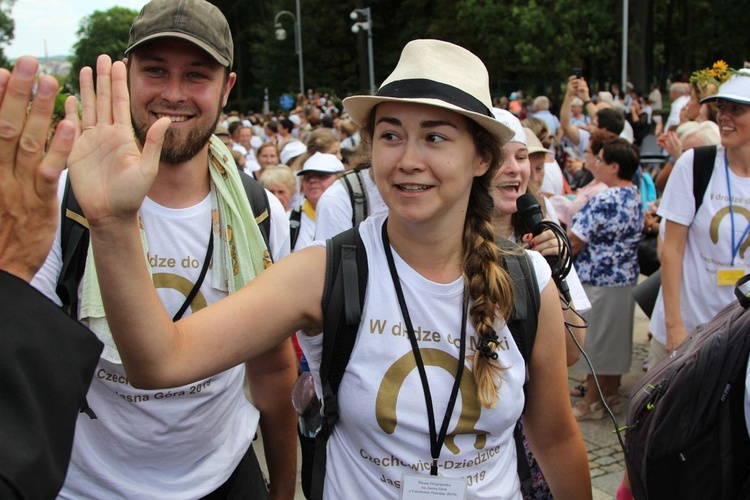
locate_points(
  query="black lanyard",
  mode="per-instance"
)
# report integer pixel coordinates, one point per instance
(436, 440)
(197, 286)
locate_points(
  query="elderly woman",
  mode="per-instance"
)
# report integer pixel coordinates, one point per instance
(604, 236)
(319, 172)
(280, 181)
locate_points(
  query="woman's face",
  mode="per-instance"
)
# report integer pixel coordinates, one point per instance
(283, 193)
(314, 185)
(734, 123)
(604, 172)
(267, 157)
(537, 168)
(511, 179)
(425, 161)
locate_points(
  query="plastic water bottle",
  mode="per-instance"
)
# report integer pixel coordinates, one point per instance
(306, 402)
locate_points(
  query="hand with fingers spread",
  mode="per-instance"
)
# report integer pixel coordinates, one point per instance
(28, 183)
(111, 173)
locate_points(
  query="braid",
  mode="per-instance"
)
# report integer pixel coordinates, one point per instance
(488, 283)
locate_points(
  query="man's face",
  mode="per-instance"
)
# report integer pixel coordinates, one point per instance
(245, 135)
(175, 78)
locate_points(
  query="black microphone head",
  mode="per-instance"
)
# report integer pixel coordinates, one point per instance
(529, 212)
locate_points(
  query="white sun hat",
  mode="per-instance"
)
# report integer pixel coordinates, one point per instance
(440, 74)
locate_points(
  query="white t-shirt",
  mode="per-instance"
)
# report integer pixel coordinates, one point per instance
(709, 240)
(333, 212)
(176, 443)
(553, 179)
(583, 142)
(383, 430)
(306, 234)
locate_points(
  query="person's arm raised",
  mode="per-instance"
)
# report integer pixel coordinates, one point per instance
(111, 177)
(570, 130)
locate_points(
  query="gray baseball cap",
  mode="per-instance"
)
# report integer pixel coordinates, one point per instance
(196, 21)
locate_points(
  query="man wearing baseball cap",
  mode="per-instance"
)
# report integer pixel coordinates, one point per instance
(202, 242)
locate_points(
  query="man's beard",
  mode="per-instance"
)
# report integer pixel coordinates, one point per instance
(174, 150)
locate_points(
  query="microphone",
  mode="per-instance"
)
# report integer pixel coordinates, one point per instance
(530, 214)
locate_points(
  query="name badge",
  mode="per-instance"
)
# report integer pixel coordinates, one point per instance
(415, 487)
(729, 276)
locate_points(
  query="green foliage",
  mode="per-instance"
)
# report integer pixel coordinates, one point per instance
(526, 44)
(59, 109)
(7, 26)
(103, 32)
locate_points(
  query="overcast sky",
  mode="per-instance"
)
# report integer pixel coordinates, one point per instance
(55, 21)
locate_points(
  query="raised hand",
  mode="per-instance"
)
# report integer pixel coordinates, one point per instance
(28, 184)
(110, 173)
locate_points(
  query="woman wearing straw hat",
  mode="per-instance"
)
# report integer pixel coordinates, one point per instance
(435, 147)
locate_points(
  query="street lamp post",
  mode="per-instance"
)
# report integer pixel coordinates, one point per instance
(281, 35)
(365, 25)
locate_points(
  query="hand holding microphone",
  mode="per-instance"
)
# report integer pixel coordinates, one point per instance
(530, 213)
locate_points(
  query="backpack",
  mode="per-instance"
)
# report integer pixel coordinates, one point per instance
(74, 240)
(703, 167)
(343, 299)
(355, 186)
(686, 433)
(295, 221)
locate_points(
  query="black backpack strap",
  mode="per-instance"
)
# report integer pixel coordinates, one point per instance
(355, 186)
(523, 323)
(294, 223)
(74, 245)
(522, 326)
(258, 198)
(343, 299)
(703, 167)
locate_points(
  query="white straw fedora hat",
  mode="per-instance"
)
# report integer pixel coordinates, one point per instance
(439, 74)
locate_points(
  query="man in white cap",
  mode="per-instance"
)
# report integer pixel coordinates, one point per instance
(202, 242)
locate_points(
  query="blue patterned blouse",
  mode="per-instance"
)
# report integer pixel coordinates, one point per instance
(611, 224)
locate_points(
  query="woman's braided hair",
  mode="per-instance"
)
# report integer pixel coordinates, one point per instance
(488, 283)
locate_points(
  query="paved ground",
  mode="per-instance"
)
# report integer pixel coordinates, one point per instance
(606, 459)
(605, 455)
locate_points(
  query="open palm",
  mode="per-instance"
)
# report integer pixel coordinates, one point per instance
(111, 175)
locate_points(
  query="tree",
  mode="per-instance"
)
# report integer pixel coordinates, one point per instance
(104, 32)
(6, 29)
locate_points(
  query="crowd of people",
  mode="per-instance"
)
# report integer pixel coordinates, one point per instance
(430, 174)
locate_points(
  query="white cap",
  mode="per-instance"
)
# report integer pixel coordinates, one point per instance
(509, 120)
(295, 119)
(736, 89)
(291, 151)
(323, 163)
